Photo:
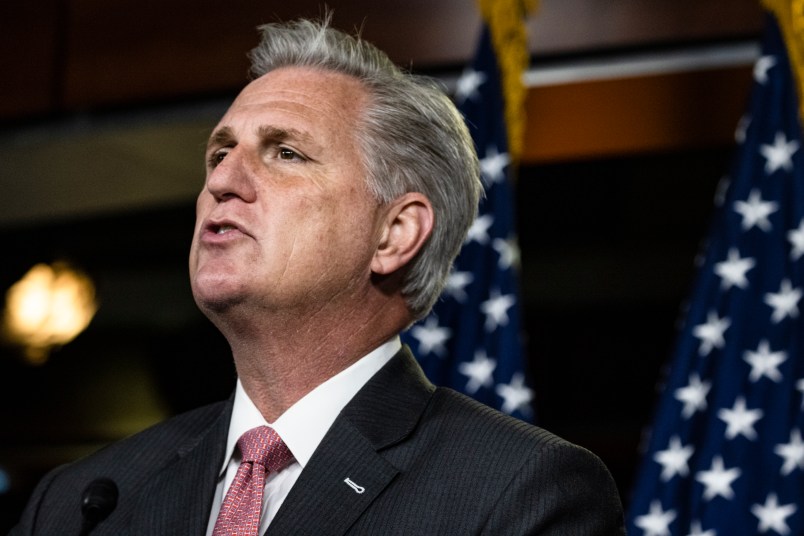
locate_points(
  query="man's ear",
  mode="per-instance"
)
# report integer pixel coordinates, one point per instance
(407, 225)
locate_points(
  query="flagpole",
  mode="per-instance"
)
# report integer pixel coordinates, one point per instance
(790, 16)
(510, 40)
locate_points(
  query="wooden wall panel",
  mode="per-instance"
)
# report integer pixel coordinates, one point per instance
(633, 115)
(570, 26)
(129, 51)
(62, 56)
(29, 54)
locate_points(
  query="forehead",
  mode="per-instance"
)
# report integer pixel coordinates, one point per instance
(303, 94)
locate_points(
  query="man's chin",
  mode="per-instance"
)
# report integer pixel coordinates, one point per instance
(214, 300)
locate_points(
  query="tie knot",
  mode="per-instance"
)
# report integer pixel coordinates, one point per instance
(262, 445)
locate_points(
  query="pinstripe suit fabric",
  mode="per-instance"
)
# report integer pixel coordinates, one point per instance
(422, 460)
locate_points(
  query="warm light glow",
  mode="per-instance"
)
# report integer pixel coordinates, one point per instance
(48, 307)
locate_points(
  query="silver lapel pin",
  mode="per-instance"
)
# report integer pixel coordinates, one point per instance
(357, 488)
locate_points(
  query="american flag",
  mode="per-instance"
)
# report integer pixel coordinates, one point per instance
(726, 456)
(471, 341)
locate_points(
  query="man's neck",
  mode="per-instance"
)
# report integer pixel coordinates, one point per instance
(281, 359)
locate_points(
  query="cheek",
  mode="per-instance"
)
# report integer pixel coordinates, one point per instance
(203, 201)
(339, 219)
(337, 225)
(201, 209)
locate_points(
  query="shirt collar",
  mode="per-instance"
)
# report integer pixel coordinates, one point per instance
(303, 425)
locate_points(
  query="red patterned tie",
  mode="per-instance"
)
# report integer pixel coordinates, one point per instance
(263, 452)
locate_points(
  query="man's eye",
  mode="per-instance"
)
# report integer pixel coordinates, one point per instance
(288, 154)
(217, 157)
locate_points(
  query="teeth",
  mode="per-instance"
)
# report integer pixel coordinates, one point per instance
(224, 228)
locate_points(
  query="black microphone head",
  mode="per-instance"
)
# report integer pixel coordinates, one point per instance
(98, 500)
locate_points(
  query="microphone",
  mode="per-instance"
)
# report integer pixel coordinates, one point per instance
(97, 502)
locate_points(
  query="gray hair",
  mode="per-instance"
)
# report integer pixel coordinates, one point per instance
(412, 139)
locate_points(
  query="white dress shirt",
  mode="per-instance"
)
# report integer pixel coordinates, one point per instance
(301, 427)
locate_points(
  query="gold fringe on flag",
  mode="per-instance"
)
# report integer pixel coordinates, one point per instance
(506, 21)
(790, 15)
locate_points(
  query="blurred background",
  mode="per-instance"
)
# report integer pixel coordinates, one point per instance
(105, 106)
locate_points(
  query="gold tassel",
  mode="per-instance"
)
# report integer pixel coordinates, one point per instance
(790, 15)
(506, 21)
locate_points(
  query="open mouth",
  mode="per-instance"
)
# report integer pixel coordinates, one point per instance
(223, 229)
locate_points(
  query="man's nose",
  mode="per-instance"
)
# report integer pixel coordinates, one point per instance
(232, 178)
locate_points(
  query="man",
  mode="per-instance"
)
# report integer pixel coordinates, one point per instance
(338, 192)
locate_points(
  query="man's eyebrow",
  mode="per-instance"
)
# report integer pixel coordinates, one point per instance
(221, 137)
(275, 134)
(224, 136)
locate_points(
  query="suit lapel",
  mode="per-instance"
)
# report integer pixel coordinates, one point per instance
(348, 471)
(178, 499)
(322, 502)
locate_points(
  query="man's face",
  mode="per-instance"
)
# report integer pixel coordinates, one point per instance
(284, 221)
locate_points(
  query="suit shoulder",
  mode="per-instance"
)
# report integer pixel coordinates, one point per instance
(155, 446)
(130, 463)
(533, 481)
(464, 415)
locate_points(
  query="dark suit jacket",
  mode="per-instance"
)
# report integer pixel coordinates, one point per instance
(432, 462)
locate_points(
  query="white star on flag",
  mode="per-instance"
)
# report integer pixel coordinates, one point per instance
(492, 166)
(479, 371)
(764, 362)
(479, 231)
(693, 396)
(784, 302)
(732, 271)
(696, 530)
(793, 453)
(657, 521)
(740, 420)
(718, 480)
(721, 190)
(456, 284)
(496, 309)
(796, 239)
(742, 128)
(508, 251)
(674, 459)
(468, 84)
(761, 68)
(431, 337)
(711, 333)
(772, 516)
(755, 211)
(780, 154)
(515, 395)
